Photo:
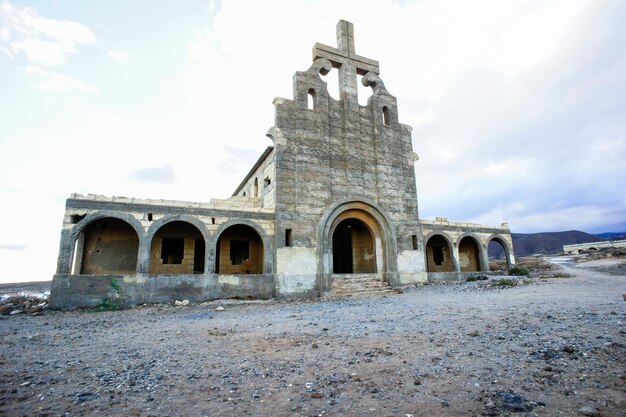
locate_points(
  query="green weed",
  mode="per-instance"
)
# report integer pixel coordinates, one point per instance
(519, 271)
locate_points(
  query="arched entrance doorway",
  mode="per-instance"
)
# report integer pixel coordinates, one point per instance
(239, 251)
(439, 255)
(353, 248)
(469, 255)
(106, 246)
(375, 240)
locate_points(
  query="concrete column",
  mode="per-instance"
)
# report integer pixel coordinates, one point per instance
(77, 258)
(484, 259)
(511, 258)
(209, 257)
(456, 263)
(65, 250)
(143, 255)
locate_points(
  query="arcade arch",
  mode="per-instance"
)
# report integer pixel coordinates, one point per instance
(177, 247)
(107, 245)
(239, 250)
(439, 256)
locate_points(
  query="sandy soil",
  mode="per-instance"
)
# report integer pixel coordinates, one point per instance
(549, 348)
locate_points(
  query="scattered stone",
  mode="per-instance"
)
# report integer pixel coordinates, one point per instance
(473, 333)
(516, 403)
(220, 308)
(569, 349)
(588, 410)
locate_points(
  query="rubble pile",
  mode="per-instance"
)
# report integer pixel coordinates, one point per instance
(23, 303)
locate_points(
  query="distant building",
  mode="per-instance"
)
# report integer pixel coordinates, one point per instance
(331, 207)
(576, 248)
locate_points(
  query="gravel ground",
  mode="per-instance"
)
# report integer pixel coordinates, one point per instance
(549, 348)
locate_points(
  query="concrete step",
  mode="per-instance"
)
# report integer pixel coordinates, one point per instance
(346, 285)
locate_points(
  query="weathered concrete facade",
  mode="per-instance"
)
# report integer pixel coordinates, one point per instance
(334, 196)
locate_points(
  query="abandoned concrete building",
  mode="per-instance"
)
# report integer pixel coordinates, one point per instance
(330, 208)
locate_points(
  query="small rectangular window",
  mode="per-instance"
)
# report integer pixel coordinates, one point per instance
(288, 241)
(414, 239)
(172, 250)
(239, 251)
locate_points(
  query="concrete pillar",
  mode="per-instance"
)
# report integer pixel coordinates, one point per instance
(143, 254)
(456, 263)
(484, 259)
(77, 258)
(65, 250)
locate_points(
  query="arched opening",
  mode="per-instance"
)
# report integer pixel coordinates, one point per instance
(106, 246)
(177, 248)
(353, 248)
(498, 255)
(438, 255)
(239, 251)
(311, 99)
(469, 255)
(255, 188)
(386, 116)
(378, 232)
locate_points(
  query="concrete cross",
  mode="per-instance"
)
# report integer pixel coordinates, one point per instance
(346, 60)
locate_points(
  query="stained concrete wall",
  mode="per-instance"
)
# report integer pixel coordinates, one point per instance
(73, 291)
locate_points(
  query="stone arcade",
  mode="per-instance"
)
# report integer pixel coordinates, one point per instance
(331, 207)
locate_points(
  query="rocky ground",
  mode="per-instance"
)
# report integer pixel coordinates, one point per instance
(545, 347)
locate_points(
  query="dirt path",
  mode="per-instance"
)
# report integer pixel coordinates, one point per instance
(555, 347)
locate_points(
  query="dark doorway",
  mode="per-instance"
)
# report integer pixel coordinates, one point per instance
(353, 248)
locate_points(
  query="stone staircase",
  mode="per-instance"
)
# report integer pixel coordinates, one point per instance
(348, 285)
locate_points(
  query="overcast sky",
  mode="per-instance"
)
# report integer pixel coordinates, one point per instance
(518, 107)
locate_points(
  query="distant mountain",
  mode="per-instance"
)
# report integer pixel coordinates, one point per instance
(525, 244)
(612, 236)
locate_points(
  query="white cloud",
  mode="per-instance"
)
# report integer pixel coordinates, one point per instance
(120, 56)
(43, 41)
(56, 82)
